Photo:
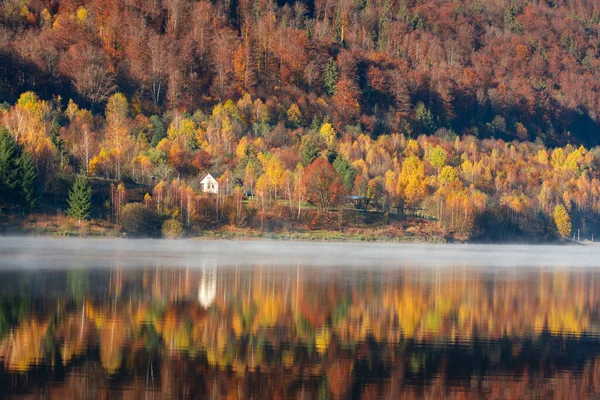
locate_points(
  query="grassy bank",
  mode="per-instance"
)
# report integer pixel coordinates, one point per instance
(415, 230)
(317, 235)
(56, 225)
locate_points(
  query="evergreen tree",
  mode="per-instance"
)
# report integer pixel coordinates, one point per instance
(510, 18)
(9, 168)
(426, 118)
(309, 149)
(345, 171)
(28, 181)
(80, 199)
(157, 130)
(330, 77)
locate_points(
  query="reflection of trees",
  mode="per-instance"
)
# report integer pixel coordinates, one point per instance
(78, 281)
(370, 335)
(23, 347)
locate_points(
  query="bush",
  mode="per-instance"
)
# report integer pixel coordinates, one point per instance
(172, 229)
(139, 221)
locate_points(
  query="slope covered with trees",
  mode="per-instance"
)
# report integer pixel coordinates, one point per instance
(478, 115)
(508, 68)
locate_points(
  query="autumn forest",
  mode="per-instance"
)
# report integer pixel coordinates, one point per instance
(412, 119)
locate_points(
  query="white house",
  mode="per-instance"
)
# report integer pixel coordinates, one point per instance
(209, 184)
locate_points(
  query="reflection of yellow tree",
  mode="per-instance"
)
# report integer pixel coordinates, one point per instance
(264, 308)
(23, 348)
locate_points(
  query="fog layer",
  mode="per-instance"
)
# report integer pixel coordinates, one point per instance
(33, 252)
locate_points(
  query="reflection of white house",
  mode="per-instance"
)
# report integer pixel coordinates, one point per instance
(209, 184)
(207, 291)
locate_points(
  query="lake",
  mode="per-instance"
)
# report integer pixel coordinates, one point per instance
(142, 319)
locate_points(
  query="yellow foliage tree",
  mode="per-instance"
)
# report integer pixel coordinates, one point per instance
(412, 148)
(293, 115)
(562, 220)
(412, 182)
(182, 129)
(82, 14)
(327, 133)
(117, 131)
(26, 121)
(558, 158)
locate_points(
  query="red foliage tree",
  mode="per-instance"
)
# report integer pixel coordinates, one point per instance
(324, 187)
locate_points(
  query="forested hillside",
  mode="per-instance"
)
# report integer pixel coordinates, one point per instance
(503, 68)
(470, 113)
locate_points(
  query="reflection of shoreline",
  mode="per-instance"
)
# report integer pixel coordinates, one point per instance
(272, 319)
(406, 369)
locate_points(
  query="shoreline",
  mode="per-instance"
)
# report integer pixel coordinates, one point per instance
(219, 235)
(290, 237)
(42, 225)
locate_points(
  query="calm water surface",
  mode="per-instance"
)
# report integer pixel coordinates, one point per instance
(267, 320)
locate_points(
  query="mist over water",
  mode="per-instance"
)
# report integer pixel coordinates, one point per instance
(90, 318)
(33, 252)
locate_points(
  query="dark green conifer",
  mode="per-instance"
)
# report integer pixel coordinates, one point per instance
(28, 181)
(345, 171)
(309, 149)
(330, 77)
(9, 168)
(80, 199)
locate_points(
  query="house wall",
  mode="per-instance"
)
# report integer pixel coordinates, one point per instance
(210, 186)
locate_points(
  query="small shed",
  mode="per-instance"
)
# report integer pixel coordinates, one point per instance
(209, 184)
(355, 201)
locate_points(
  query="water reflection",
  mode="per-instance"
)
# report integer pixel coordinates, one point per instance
(266, 331)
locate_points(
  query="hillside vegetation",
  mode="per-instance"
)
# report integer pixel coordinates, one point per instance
(479, 117)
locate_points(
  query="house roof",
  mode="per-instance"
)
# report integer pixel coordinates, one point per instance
(213, 175)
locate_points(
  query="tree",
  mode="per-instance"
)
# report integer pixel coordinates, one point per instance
(510, 18)
(272, 179)
(346, 100)
(90, 76)
(80, 199)
(157, 130)
(376, 194)
(118, 197)
(27, 122)
(28, 181)
(562, 220)
(87, 139)
(9, 167)
(172, 229)
(412, 183)
(117, 130)
(323, 186)
(294, 116)
(299, 188)
(345, 171)
(250, 176)
(425, 117)
(224, 46)
(138, 220)
(330, 77)
(309, 149)
(327, 133)
(437, 157)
